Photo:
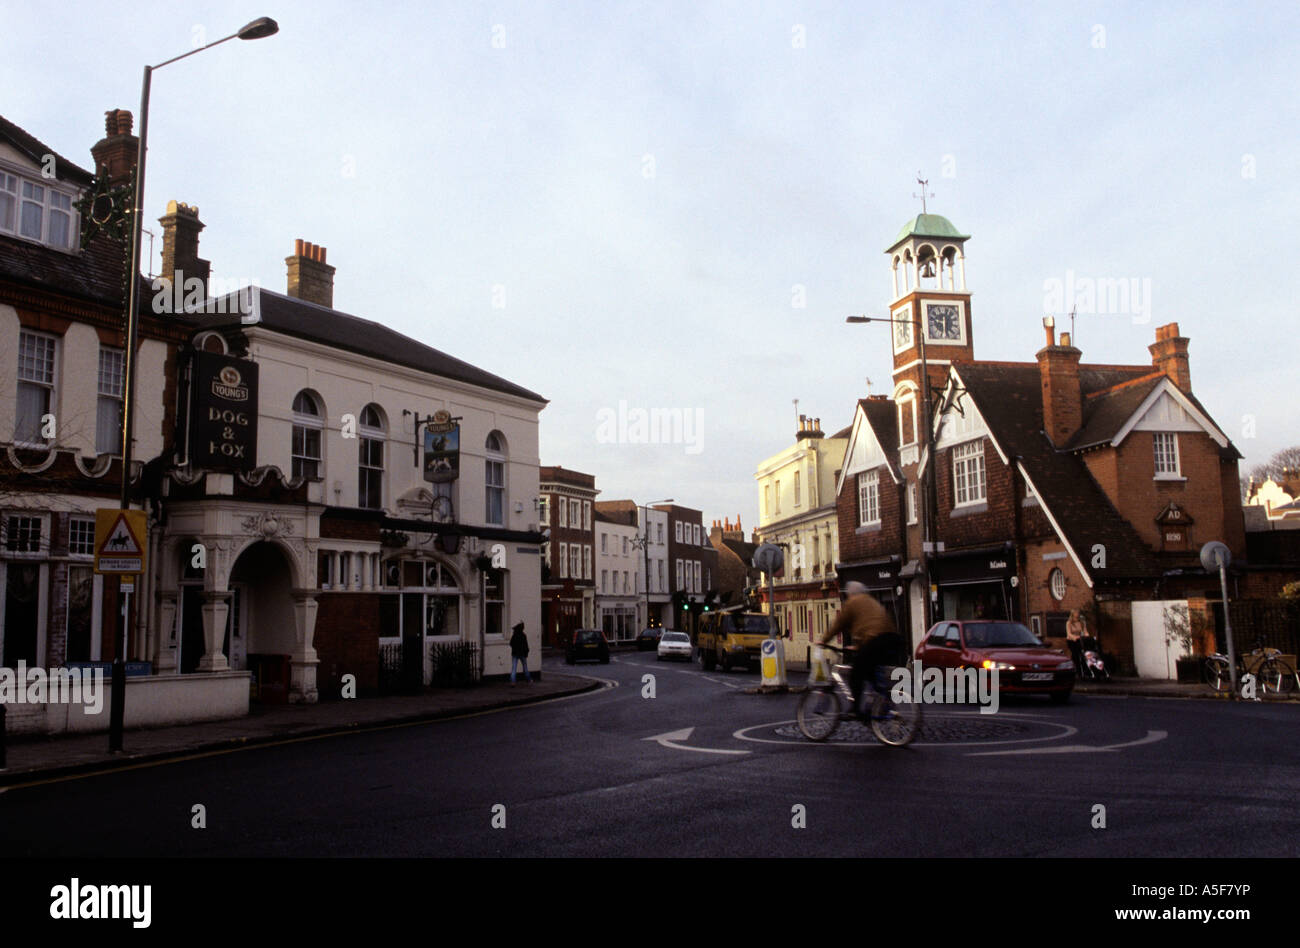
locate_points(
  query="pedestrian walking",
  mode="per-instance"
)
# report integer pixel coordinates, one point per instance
(1075, 630)
(519, 654)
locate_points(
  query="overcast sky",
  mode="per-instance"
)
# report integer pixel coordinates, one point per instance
(626, 203)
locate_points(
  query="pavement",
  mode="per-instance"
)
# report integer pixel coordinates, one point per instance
(32, 758)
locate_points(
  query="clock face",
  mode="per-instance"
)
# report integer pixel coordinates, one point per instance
(902, 329)
(943, 321)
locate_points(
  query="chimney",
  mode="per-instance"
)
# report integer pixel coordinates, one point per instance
(809, 428)
(310, 277)
(118, 150)
(180, 246)
(1058, 367)
(1169, 355)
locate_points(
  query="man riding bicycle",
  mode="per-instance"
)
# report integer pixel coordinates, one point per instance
(865, 622)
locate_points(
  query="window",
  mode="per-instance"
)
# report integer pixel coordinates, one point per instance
(544, 512)
(575, 514)
(678, 564)
(1057, 580)
(564, 511)
(494, 480)
(911, 503)
(564, 561)
(968, 472)
(586, 561)
(35, 385)
(604, 580)
(767, 498)
(661, 576)
(23, 535)
(81, 537)
(575, 561)
(626, 583)
(696, 587)
(370, 477)
(1166, 452)
(108, 424)
(868, 498)
(494, 595)
(778, 497)
(603, 537)
(586, 515)
(906, 420)
(625, 546)
(308, 423)
(677, 530)
(696, 534)
(37, 212)
(661, 533)
(796, 488)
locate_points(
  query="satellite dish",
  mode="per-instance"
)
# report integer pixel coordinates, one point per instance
(1215, 555)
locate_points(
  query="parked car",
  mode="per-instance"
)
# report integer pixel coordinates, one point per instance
(676, 645)
(648, 639)
(588, 645)
(1024, 664)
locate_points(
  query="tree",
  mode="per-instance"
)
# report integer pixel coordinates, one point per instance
(1286, 459)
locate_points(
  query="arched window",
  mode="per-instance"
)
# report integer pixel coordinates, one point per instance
(494, 479)
(370, 472)
(308, 423)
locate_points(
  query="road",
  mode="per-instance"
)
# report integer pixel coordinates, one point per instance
(586, 776)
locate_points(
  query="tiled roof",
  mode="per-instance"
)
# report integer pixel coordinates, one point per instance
(36, 150)
(882, 415)
(1107, 411)
(1010, 399)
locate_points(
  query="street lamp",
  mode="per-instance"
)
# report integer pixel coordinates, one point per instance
(257, 29)
(643, 541)
(929, 502)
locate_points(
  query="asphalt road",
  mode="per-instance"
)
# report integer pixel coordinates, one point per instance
(582, 777)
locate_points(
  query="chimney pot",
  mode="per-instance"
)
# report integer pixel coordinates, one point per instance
(310, 277)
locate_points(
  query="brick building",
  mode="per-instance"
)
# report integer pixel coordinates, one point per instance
(737, 581)
(568, 585)
(1055, 484)
(692, 563)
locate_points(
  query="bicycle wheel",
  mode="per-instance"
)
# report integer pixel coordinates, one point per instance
(1217, 673)
(1276, 677)
(818, 713)
(895, 723)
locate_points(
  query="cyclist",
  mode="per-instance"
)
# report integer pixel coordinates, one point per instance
(865, 622)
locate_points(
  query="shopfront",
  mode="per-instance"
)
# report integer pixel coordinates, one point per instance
(979, 584)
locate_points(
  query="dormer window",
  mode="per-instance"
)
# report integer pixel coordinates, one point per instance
(37, 211)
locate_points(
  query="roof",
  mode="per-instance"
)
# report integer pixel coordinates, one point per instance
(742, 549)
(617, 511)
(882, 415)
(1010, 399)
(305, 320)
(928, 225)
(36, 150)
(1107, 411)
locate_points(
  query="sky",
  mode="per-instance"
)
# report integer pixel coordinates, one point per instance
(671, 208)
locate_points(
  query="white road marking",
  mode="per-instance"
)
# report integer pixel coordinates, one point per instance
(668, 740)
(1151, 738)
(1066, 731)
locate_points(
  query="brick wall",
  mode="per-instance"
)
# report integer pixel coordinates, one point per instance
(861, 543)
(974, 527)
(347, 642)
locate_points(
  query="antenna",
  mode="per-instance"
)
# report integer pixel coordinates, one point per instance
(1073, 339)
(924, 183)
(796, 410)
(868, 386)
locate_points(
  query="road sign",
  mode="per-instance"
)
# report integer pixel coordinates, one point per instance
(119, 541)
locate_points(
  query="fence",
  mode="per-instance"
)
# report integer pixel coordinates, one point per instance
(455, 664)
(1276, 621)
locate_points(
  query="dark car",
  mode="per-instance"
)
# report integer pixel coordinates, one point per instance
(1024, 664)
(648, 639)
(588, 645)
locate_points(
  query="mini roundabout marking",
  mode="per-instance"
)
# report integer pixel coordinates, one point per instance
(938, 729)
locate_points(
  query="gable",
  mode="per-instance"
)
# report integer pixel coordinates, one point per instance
(1167, 409)
(864, 453)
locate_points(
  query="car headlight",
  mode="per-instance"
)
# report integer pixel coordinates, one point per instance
(1065, 667)
(1000, 666)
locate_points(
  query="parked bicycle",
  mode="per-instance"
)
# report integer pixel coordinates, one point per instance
(829, 700)
(1274, 673)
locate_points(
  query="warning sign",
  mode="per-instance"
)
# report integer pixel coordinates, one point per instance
(119, 541)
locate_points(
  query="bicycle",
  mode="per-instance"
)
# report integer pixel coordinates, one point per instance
(1274, 674)
(822, 707)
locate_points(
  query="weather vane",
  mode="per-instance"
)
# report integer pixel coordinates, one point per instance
(923, 183)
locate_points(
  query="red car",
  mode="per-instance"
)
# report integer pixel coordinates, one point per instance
(1025, 665)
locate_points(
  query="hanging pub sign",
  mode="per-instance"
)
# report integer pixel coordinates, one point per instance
(441, 449)
(223, 414)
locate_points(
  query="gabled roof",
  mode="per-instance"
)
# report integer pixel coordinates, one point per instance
(36, 150)
(1109, 413)
(880, 415)
(1010, 399)
(305, 320)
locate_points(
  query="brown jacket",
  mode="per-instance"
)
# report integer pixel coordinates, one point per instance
(861, 619)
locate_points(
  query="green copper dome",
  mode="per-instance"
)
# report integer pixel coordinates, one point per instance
(927, 225)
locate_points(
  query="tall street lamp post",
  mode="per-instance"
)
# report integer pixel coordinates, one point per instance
(929, 502)
(644, 542)
(257, 29)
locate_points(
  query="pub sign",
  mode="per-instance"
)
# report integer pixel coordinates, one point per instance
(223, 416)
(441, 449)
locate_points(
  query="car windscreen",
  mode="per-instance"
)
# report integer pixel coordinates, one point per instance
(675, 637)
(748, 625)
(586, 638)
(998, 635)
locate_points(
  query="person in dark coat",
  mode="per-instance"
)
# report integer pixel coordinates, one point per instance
(519, 653)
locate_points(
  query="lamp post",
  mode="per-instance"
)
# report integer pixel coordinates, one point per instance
(257, 29)
(928, 500)
(644, 542)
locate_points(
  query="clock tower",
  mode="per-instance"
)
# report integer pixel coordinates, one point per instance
(928, 264)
